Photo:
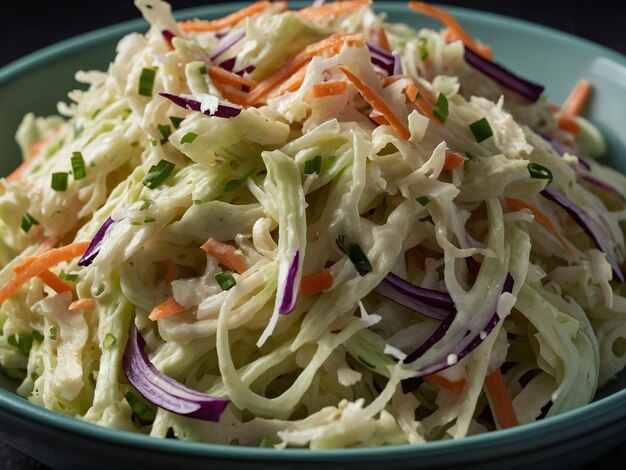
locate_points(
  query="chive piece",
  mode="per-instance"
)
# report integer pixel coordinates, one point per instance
(59, 181)
(157, 174)
(226, 280)
(68, 277)
(21, 341)
(28, 221)
(441, 108)
(314, 165)
(423, 200)
(53, 333)
(135, 223)
(188, 138)
(154, 142)
(146, 203)
(165, 131)
(149, 220)
(34, 376)
(481, 130)
(197, 201)
(37, 336)
(356, 255)
(176, 121)
(139, 407)
(423, 48)
(539, 172)
(202, 70)
(100, 290)
(232, 185)
(266, 442)
(366, 363)
(95, 113)
(146, 81)
(134, 143)
(78, 166)
(109, 341)
(78, 130)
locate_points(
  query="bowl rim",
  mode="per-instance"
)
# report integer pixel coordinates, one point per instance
(578, 422)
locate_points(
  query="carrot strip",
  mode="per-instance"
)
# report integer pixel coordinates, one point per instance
(568, 124)
(377, 102)
(417, 95)
(383, 41)
(226, 254)
(331, 10)
(541, 218)
(573, 106)
(33, 152)
(321, 90)
(231, 94)
(452, 24)
(453, 161)
(230, 78)
(55, 282)
(500, 400)
(48, 244)
(167, 308)
(82, 304)
(171, 272)
(35, 265)
(332, 44)
(379, 119)
(294, 82)
(197, 26)
(316, 282)
(456, 386)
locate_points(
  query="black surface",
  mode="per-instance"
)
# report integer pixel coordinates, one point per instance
(33, 25)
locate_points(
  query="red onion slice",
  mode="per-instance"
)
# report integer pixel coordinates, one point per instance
(228, 64)
(617, 195)
(290, 296)
(382, 58)
(397, 64)
(226, 111)
(225, 44)
(168, 36)
(164, 391)
(96, 243)
(506, 78)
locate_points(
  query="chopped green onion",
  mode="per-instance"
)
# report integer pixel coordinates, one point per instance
(226, 280)
(37, 336)
(197, 201)
(21, 341)
(154, 142)
(539, 172)
(68, 277)
(134, 143)
(100, 290)
(34, 376)
(481, 130)
(95, 113)
(366, 363)
(314, 165)
(140, 408)
(146, 81)
(53, 333)
(109, 341)
(165, 131)
(266, 442)
(28, 221)
(232, 185)
(188, 138)
(146, 203)
(202, 70)
(149, 220)
(78, 130)
(78, 166)
(59, 181)
(158, 173)
(356, 255)
(176, 121)
(423, 200)
(441, 108)
(423, 48)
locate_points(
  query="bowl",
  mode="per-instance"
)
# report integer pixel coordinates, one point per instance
(573, 439)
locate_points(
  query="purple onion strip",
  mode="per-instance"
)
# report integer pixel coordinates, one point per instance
(229, 64)
(96, 243)
(617, 196)
(163, 391)
(506, 78)
(401, 297)
(589, 225)
(223, 110)
(289, 295)
(225, 44)
(397, 64)
(168, 36)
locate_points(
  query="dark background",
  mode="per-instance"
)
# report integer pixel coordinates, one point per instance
(31, 25)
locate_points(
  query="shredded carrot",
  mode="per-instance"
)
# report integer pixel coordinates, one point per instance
(500, 400)
(48, 244)
(55, 282)
(417, 95)
(294, 82)
(377, 102)
(568, 124)
(82, 304)
(35, 265)
(321, 90)
(331, 10)
(456, 386)
(226, 254)
(573, 107)
(231, 93)
(316, 282)
(553, 107)
(379, 118)
(452, 24)
(167, 308)
(171, 271)
(331, 44)
(33, 152)
(196, 26)
(450, 35)
(230, 78)
(541, 218)
(383, 42)
(453, 161)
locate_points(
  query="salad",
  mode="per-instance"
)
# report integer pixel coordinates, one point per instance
(311, 228)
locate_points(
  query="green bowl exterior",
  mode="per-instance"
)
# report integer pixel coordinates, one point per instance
(37, 82)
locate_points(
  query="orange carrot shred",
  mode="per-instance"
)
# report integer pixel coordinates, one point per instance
(294, 82)
(35, 265)
(321, 90)
(453, 161)
(316, 282)
(167, 308)
(48, 244)
(573, 106)
(55, 282)
(500, 400)
(541, 218)
(455, 386)
(383, 41)
(31, 155)
(377, 102)
(452, 24)
(171, 271)
(379, 119)
(197, 26)
(231, 93)
(224, 76)
(226, 254)
(82, 304)
(332, 10)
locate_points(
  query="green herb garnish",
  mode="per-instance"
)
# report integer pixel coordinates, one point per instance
(146, 81)
(28, 221)
(481, 130)
(157, 174)
(441, 108)
(58, 181)
(78, 166)
(226, 280)
(314, 165)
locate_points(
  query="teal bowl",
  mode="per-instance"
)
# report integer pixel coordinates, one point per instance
(38, 81)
